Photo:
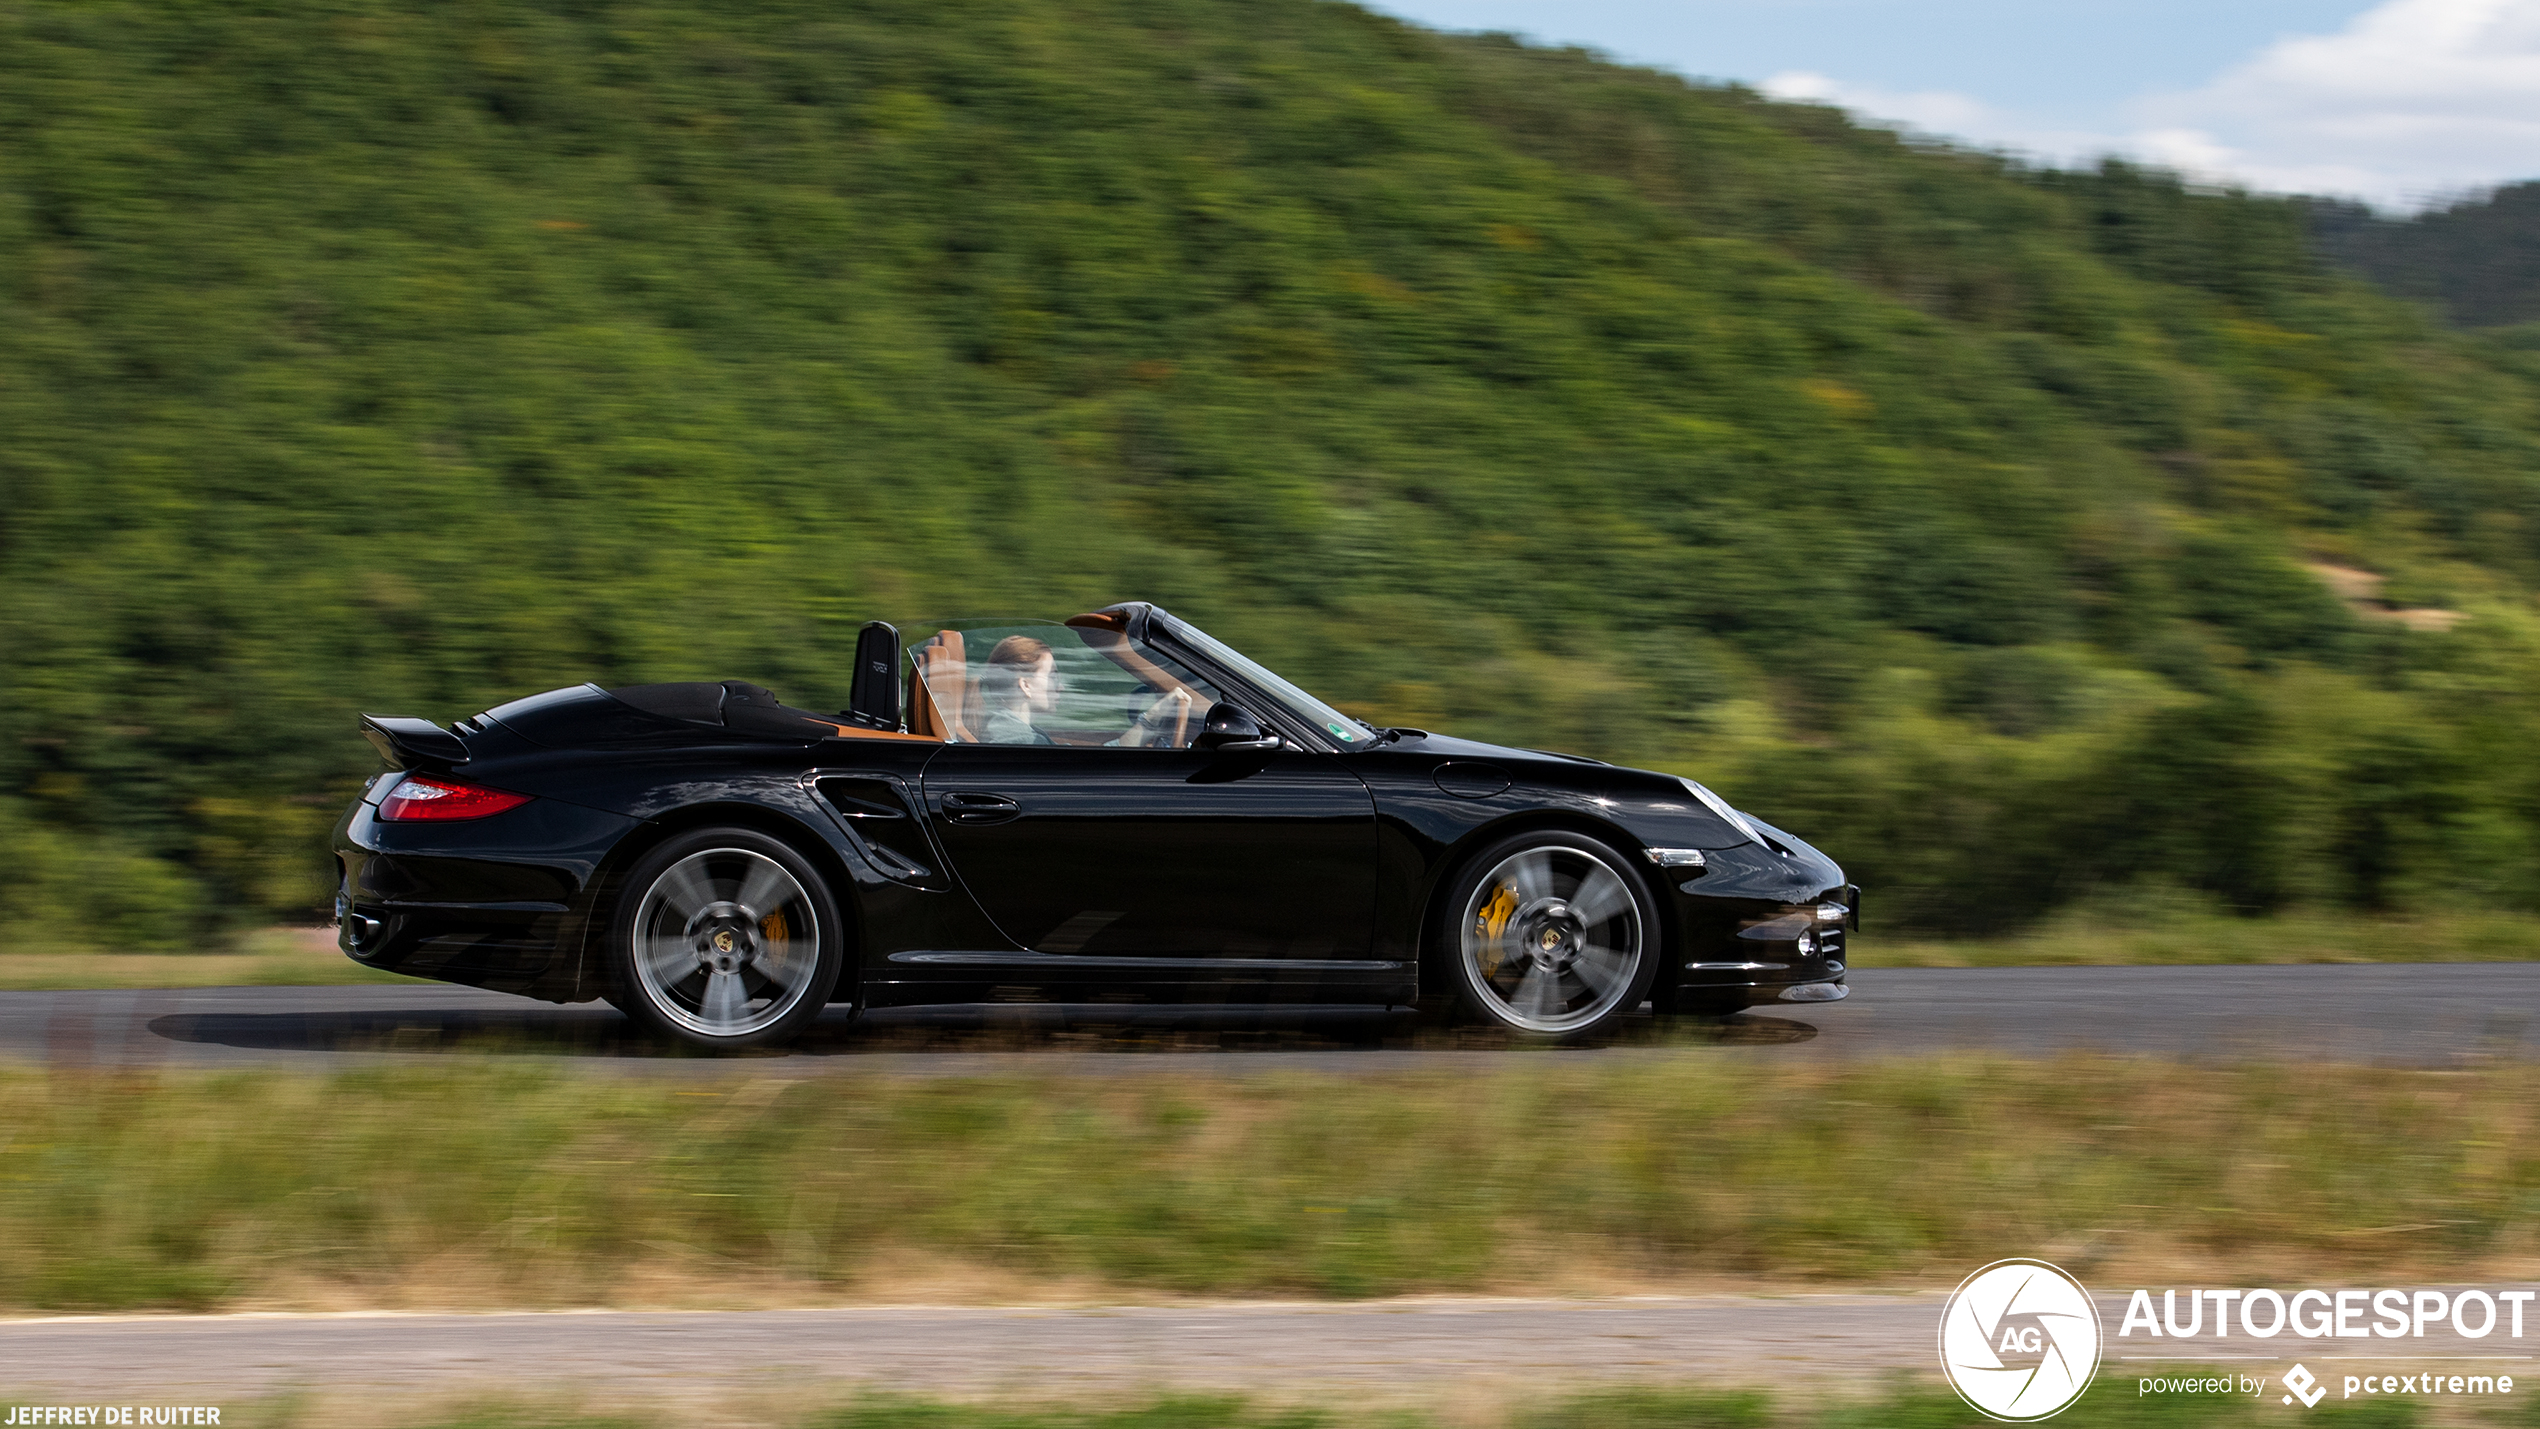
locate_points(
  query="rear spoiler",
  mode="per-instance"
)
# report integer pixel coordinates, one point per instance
(405, 742)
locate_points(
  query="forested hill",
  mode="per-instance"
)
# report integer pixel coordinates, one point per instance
(2478, 258)
(410, 357)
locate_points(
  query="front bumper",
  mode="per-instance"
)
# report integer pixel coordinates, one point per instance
(1756, 928)
(1831, 990)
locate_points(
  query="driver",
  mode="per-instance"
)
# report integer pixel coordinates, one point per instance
(1021, 681)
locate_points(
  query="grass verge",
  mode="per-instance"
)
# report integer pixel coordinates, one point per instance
(2181, 932)
(269, 957)
(469, 1186)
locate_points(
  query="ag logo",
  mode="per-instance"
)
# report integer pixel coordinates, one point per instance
(2306, 1384)
(2019, 1340)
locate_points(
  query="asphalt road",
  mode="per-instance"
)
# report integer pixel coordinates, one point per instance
(2417, 1014)
(1478, 1347)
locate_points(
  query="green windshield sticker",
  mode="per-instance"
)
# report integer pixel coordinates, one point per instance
(1341, 731)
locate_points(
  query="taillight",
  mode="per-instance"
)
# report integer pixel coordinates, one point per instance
(417, 798)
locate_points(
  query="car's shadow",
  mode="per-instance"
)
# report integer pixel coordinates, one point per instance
(536, 1029)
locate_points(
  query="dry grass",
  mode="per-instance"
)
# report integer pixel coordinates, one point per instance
(2182, 932)
(463, 1186)
(272, 957)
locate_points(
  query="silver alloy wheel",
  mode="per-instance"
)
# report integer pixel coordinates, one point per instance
(1552, 939)
(726, 942)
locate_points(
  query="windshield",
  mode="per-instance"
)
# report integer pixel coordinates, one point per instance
(1302, 706)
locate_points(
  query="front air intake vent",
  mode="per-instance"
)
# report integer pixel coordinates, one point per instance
(880, 816)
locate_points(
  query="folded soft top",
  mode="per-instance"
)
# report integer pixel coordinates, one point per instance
(736, 705)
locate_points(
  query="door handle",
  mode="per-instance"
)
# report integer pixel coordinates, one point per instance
(980, 808)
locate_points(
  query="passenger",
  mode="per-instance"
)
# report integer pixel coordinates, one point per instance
(1021, 680)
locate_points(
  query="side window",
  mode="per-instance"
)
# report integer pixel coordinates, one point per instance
(1053, 684)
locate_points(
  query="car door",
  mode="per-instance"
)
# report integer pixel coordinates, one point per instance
(1175, 856)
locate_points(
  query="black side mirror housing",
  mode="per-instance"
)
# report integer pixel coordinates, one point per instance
(873, 695)
(1231, 730)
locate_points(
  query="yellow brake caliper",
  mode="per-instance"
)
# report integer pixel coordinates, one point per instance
(1493, 923)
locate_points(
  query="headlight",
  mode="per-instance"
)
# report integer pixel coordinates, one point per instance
(1720, 806)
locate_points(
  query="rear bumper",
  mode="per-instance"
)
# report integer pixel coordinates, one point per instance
(498, 903)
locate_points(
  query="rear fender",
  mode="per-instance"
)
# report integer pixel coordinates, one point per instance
(601, 896)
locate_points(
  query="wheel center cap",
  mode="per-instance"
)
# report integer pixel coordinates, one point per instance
(1555, 932)
(723, 940)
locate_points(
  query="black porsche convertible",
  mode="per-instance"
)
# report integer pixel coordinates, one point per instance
(1113, 807)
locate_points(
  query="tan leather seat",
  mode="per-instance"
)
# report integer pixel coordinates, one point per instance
(939, 688)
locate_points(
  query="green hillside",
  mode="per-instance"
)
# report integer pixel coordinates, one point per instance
(409, 357)
(2479, 258)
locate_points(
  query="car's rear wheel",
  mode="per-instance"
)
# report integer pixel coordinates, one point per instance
(725, 938)
(1553, 934)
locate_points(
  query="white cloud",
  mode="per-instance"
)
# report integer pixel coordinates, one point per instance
(1938, 111)
(2412, 101)
(1944, 114)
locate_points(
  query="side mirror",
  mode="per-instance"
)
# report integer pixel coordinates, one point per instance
(873, 695)
(1229, 730)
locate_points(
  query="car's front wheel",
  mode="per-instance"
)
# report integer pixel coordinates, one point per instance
(1553, 934)
(725, 938)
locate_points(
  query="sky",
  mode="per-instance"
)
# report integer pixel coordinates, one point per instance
(2402, 103)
